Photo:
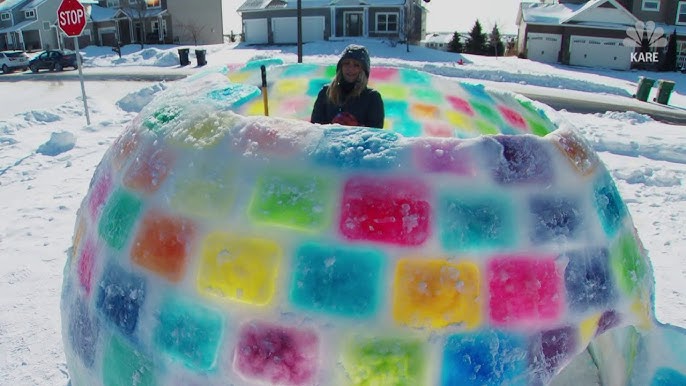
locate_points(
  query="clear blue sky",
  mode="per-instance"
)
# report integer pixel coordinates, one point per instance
(460, 15)
(443, 16)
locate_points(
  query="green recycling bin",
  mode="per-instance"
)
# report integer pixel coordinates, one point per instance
(644, 86)
(664, 90)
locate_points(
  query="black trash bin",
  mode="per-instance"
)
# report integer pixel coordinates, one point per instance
(200, 56)
(183, 56)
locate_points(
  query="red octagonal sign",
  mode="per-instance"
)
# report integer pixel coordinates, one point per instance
(71, 17)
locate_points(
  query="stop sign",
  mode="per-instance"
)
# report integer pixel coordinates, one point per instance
(71, 17)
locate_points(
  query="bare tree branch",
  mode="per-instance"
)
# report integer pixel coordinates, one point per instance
(137, 9)
(193, 29)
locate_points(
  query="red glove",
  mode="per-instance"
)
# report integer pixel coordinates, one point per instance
(345, 119)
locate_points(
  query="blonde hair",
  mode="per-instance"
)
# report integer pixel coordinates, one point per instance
(334, 92)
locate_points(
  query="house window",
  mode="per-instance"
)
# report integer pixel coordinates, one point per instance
(30, 14)
(650, 5)
(46, 25)
(155, 26)
(153, 3)
(5, 16)
(112, 3)
(681, 54)
(681, 13)
(387, 22)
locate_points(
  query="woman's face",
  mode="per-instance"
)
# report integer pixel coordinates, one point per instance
(351, 69)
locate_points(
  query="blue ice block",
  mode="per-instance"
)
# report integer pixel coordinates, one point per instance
(234, 94)
(475, 222)
(477, 90)
(189, 333)
(554, 218)
(83, 333)
(120, 297)
(338, 280)
(609, 204)
(519, 160)
(485, 358)
(588, 279)
(668, 377)
(347, 148)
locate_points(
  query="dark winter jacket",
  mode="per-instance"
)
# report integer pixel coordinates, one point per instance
(367, 109)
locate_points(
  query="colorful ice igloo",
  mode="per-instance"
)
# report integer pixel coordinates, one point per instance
(470, 242)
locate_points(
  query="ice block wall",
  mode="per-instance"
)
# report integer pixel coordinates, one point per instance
(471, 242)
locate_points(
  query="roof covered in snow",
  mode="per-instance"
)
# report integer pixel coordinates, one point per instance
(32, 5)
(18, 26)
(99, 13)
(594, 13)
(438, 37)
(546, 13)
(9, 4)
(256, 5)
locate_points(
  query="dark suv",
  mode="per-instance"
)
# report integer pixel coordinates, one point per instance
(54, 60)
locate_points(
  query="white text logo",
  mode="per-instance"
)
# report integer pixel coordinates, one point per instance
(654, 38)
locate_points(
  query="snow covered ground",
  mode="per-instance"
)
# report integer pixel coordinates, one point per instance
(42, 182)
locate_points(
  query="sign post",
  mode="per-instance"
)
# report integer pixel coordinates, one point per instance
(71, 17)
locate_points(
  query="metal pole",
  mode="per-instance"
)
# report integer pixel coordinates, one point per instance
(265, 99)
(300, 31)
(409, 24)
(83, 89)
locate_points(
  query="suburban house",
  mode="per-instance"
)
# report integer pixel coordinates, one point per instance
(275, 21)
(592, 32)
(670, 15)
(124, 22)
(438, 40)
(28, 24)
(32, 24)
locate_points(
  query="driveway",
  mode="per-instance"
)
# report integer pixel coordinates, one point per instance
(570, 100)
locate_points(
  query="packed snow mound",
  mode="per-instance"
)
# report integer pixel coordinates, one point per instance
(58, 143)
(470, 242)
(135, 101)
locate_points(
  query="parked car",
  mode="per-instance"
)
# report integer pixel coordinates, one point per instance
(13, 60)
(53, 60)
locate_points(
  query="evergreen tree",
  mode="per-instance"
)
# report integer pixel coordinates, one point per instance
(669, 63)
(495, 42)
(476, 42)
(455, 45)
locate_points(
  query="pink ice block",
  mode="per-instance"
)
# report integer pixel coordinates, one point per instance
(394, 211)
(524, 289)
(275, 354)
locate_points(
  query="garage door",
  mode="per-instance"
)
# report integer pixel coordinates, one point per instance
(599, 52)
(107, 37)
(543, 47)
(255, 31)
(285, 29)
